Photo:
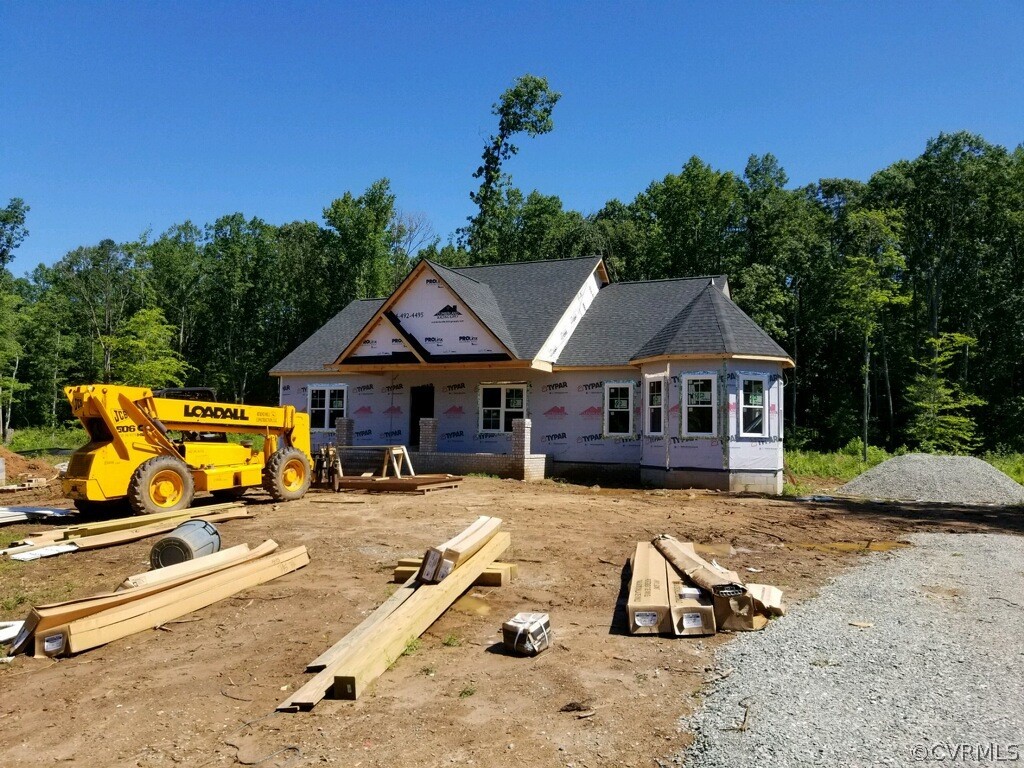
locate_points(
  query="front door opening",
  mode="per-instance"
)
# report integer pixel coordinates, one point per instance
(421, 406)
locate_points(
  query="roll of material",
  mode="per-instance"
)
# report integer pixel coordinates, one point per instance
(191, 539)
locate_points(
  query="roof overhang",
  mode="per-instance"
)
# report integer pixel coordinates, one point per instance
(429, 367)
(786, 362)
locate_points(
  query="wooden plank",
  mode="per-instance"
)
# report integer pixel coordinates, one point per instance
(169, 604)
(137, 521)
(387, 641)
(134, 534)
(433, 556)
(43, 617)
(384, 610)
(170, 572)
(314, 690)
(498, 575)
(462, 550)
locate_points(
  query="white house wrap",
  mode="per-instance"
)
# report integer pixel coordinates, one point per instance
(667, 380)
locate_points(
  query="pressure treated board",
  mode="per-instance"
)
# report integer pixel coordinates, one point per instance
(113, 624)
(170, 572)
(386, 642)
(43, 618)
(498, 575)
(432, 557)
(385, 609)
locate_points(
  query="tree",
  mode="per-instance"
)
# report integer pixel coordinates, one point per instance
(941, 421)
(12, 229)
(366, 234)
(143, 352)
(104, 285)
(526, 107)
(870, 282)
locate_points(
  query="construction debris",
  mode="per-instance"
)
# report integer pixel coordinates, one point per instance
(675, 591)
(348, 667)
(77, 625)
(527, 633)
(110, 533)
(27, 484)
(420, 484)
(10, 515)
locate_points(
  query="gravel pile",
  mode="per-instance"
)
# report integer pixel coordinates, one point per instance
(939, 673)
(923, 477)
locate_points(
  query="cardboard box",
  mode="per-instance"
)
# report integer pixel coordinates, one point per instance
(527, 633)
(691, 611)
(648, 605)
(738, 613)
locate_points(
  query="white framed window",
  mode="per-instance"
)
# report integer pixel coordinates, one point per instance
(753, 408)
(326, 403)
(700, 406)
(655, 390)
(618, 408)
(500, 404)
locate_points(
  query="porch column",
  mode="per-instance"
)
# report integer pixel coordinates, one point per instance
(344, 430)
(521, 437)
(428, 436)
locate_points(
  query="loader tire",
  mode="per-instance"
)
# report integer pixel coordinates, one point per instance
(161, 484)
(287, 475)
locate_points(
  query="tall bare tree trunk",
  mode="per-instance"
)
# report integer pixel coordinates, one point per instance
(10, 405)
(867, 393)
(888, 386)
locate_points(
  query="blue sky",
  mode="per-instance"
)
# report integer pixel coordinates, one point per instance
(115, 118)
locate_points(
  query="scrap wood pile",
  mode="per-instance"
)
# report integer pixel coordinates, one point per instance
(354, 662)
(675, 591)
(110, 533)
(148, 600)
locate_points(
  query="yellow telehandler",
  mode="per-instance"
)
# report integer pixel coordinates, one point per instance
(156, 452)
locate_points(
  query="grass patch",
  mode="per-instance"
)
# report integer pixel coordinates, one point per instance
(452, 641)
(42, 438)
(468, 691)
(1011, 464)
(412, 646)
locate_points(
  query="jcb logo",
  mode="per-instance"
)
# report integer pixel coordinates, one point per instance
(120, 415)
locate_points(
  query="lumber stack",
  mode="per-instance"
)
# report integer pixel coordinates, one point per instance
(151, 599)
(355, 661)
(673, 590)
(441, 560)
(108, 533)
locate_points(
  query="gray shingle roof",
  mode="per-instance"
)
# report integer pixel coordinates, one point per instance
(691, 316)
(480, 298)
(522, 302)
(324, 346)
(532, 296)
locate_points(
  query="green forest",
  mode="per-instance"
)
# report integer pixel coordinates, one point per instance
(897, 297)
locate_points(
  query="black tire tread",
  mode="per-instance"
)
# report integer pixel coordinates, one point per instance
(272, 475)
(138, 497)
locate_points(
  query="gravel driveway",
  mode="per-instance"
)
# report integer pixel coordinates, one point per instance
(937, 680)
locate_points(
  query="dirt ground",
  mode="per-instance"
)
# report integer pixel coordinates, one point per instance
(202, 692)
